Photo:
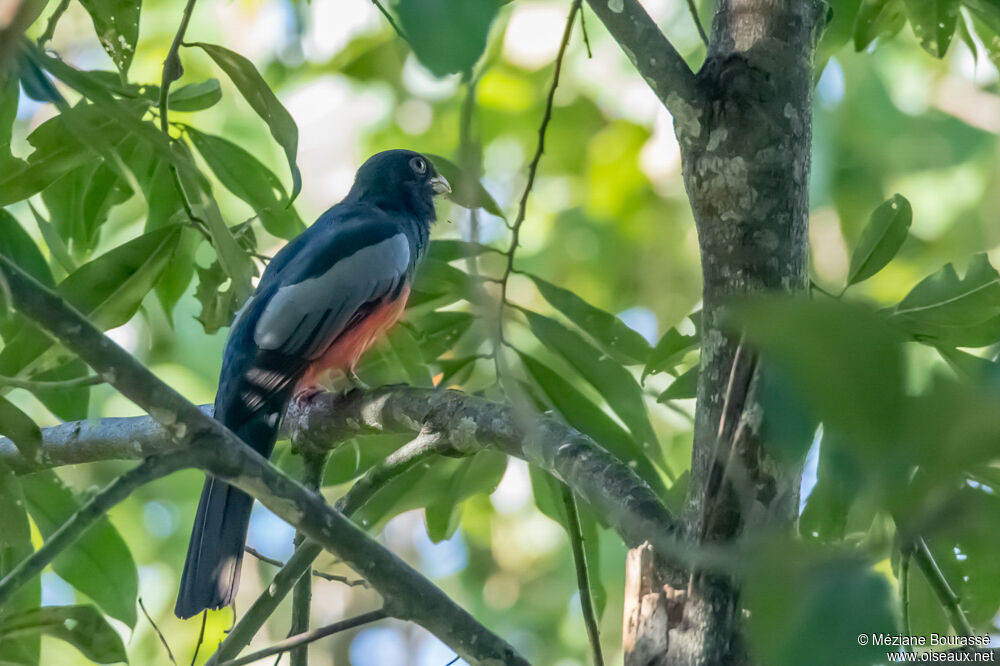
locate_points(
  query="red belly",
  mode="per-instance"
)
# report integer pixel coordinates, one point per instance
(343, 355)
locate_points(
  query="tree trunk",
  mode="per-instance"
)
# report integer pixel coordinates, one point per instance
(745, 152)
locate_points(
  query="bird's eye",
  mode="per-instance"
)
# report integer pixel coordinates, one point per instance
(419, 165)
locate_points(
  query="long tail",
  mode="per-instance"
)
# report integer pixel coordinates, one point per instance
(212, 568)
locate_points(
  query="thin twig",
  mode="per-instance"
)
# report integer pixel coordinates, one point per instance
(173, 70)
(904, 585)
(62, 384)
(201, 638)
(946, 595)
(697, 22)
(263, 558)
(586, 37)
(582, 573)
(50, 27)
(333, 578)
(532, 172)
(390, 19)
(163, 639)
(303, 639)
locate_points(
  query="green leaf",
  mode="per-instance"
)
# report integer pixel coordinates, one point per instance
(589, 419)
(840, 477)
(20, 429)
(933, 22)
(53, 241)
(881, 239)
(810, 606)
(949, 310)
(838, 31)
(108, 290)
(685, 387)
(615, 384)
(255, 90)
(69, 404)
(80, 626)
(408, 355)
(218, 305)
(610, 332)
(251, 181)
(438, 332)
(17, 245)
(476, 475)
(15, 546)
(99, 564)
(466, 191)
(116, 23)
(447, 36)
(986, 20)
(670, 351)
(846, 361)
(58, 151)
(447, 250)
(195, 96)
(875, 19)
(176, 277)
(9, 95)
(434, 483)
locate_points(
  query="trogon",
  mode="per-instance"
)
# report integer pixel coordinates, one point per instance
(322, 301)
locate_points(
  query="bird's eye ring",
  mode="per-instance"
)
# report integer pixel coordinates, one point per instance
(419, 165)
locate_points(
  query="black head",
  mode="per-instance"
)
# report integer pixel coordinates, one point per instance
(399, 180)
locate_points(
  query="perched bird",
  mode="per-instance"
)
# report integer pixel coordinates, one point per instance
(323, 300)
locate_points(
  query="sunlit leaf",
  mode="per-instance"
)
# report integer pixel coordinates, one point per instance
(251, 181)
(117, 25)
(99, 564)
(933, 22)
(953, 310)
(108, 290)
(258, 94)
(881, 239)
(465, 190)
(607, 330)
(81, 626)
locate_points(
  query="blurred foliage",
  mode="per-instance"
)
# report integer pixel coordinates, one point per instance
(158, 237)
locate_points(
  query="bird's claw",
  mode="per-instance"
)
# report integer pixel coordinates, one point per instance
(354, 382)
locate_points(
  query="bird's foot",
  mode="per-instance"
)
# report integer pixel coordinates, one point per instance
(353, 382)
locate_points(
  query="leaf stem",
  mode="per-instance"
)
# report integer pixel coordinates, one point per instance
(62, 384)
(697, 22)
(300, 641)
(582, 574)
(946, 595)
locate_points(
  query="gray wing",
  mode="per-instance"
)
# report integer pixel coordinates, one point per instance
(303, 318)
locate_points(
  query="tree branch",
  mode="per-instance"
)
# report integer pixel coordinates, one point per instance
(660, 64)
(204, 442)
